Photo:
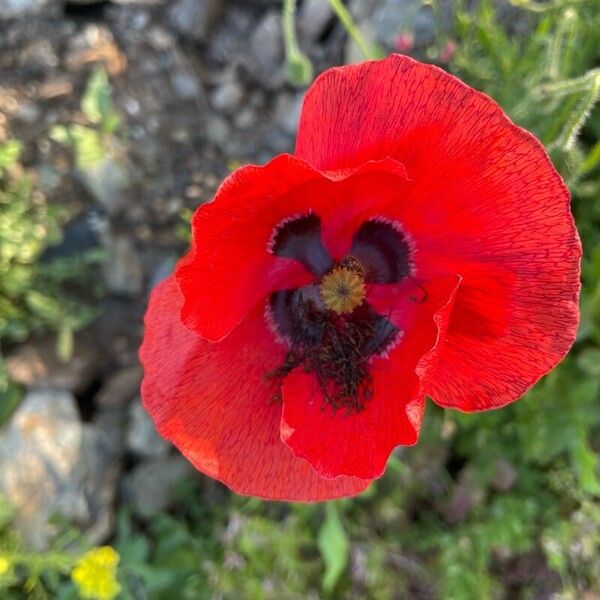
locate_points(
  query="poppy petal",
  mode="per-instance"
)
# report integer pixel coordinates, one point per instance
(299, 237)
(484, 201)
(359, 444)
(245, 242)
(212, 402)
(493, 354)
(229, 269)
(508, 231)
(383, 250)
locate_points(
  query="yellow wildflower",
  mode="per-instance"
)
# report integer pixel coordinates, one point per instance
(95, 574)
(4, 564)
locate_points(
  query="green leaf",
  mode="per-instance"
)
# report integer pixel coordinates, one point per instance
(591, 160)
(9, 153)
(7, 512)
(334, 547)
(45, 307)
(96, 102)
(589, 361)
(585, 461)
(64, 343)
(10, 398)
(60, 134)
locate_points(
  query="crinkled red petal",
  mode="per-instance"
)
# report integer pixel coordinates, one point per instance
(336, 443)
(212, 401)
(230, 269)
(483, 201)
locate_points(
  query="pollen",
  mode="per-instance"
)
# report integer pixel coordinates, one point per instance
(343, 289)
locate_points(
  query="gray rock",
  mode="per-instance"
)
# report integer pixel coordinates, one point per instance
(227, 97)
(362, 9)
(79, 236)
(186, 86)
(148, 487)
(99, 467)
(246, 118)
(123, 273)
(142, 437)
(267, 62)
(51, 463)
(162, 271)
(120, 388)
(195, 19)
(313, 18)
(217, 130)
(393, 17)
(11, 9)
(29, 112)
(35, 364)
(287, 112)
(49, 178)
(106, 181)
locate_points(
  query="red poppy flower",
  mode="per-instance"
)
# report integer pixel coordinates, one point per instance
(417, 243)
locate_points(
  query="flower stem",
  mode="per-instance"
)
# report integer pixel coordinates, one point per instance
(300, 70)
(353, 31)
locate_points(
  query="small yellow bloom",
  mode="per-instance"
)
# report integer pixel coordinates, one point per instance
(4, 564)
(95, 574)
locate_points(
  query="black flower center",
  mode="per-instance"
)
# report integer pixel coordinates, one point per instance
(330, 329)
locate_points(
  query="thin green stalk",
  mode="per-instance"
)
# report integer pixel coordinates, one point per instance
(300, 71)
(353, 31)
(561, 43)
(569, 86)
(568, 136)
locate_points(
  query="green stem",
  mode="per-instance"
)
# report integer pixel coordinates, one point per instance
(38, 562)
(299, 67)
(568, 136)
(353, 31)
(569, 86)
(289, 32)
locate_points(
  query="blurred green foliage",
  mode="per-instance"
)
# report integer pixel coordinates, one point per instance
(92, 143)
(33, 292)
(503, 504)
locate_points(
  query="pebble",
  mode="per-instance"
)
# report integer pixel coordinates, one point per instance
(35, 364)
(142, 437)
(227, 97)
(14, 9)
(246, 118)
(195, 19)
(120, 388)
(123, 273)
(217, 130)
(106, 181)
(148, 487)
(287, 112)
(186, 86)
(314, 16)
(51, 463)
(267, 62)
